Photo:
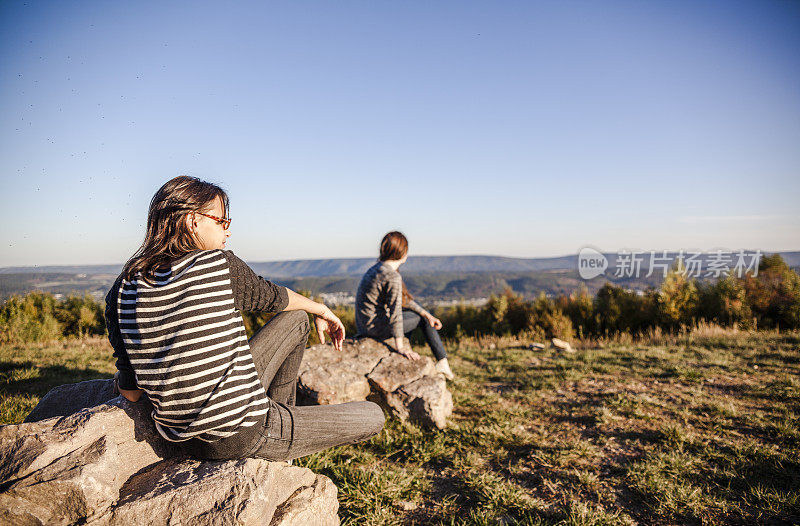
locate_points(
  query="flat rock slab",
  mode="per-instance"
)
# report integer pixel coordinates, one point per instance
(107, 464)
(71, 398)
(395, 370)
(369, 369)
(427, 400)
(247, 491)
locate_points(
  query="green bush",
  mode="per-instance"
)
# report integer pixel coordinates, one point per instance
(617, 310)
(80, 317)
(464, 320)
(772, 298)
(548, 319)
(579, 308)
(774, 294)
(29, 318)
(725, 303)
(677, 299)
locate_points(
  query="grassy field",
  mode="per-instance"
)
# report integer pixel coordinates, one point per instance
(698, 429)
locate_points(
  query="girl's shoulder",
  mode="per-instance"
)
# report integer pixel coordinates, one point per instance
(172, 270)
(377, 274)
(387, 274)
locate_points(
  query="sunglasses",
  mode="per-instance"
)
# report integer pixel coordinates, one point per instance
(226, 223)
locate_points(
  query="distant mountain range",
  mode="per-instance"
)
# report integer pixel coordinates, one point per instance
(421, 265)
(431, 277)
(414, 265)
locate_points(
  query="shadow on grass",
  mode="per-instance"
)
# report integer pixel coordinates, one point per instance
(745, 470)
(776, 356)
(476, 504)
(761, 484)
(30, 379)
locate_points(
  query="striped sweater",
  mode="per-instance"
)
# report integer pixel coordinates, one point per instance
(186, 344)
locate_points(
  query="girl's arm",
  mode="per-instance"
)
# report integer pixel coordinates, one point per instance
(131, 395)
(434, 322)
(324, 319)
(254, 293)
(124, 374)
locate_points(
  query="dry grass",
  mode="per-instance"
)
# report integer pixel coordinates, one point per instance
(697, 428)
(687, 431)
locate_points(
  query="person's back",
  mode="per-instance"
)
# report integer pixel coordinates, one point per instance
(380, 289)
(188, 345)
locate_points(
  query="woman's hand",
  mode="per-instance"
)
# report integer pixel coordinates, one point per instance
(325, 320)
(328, 322)
(434, 322)
(407, 352)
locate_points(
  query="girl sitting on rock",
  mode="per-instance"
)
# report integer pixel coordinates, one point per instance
(174, 321)
(385, 309)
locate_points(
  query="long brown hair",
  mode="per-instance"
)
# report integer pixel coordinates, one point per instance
(168, 237)
(394, 245)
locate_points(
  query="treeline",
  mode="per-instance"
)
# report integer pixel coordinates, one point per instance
(38, 317)
(770, 299)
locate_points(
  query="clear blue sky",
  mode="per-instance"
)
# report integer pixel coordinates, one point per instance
(512, 128)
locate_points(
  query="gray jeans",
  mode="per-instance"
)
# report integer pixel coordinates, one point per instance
(291, 432)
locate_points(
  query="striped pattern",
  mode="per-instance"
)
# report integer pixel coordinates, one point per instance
(188, 347)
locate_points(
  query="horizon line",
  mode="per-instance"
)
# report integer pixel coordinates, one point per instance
(410, 257)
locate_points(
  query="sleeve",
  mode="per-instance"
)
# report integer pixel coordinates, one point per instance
(252, 292)
(127, 378)
(394, 301)
(416, 307)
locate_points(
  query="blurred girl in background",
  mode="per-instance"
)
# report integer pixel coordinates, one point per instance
(385, 309)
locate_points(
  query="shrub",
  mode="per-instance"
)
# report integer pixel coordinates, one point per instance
(80, 316)
(677, 299)
(618, 310)
(725, 302)
(548, 319)
(519, 314)
(774, 294)
(497, 308)
(29, 319)
(579, 308)
(464, 320)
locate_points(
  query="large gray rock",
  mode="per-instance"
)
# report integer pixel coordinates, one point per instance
(71, 398)
(425, 400)
(247, 491)
(107, 464)
(368, 369)
(68, 469)
(330, 377)
(395, 370)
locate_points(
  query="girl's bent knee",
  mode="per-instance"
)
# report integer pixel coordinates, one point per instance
(290, 319)
(375, 417)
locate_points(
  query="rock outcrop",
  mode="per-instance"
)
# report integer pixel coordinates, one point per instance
(562, 345)
(106, 465)
(368, 370)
